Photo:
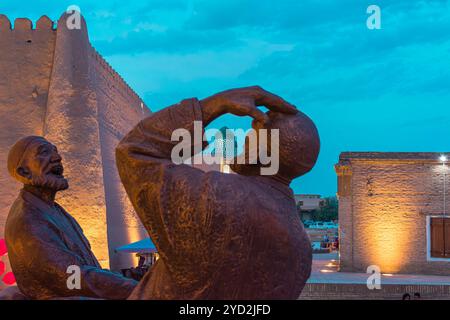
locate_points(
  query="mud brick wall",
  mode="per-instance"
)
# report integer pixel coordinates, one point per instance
(384, 202)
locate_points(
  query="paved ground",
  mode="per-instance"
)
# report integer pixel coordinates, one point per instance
(324, 270)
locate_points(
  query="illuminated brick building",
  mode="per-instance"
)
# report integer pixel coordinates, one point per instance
(393, 212)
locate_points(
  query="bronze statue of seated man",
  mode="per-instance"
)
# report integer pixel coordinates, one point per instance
(44, 241)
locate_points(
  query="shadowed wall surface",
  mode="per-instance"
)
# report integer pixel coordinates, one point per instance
(55, 84)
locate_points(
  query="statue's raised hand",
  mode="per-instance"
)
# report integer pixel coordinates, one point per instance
(244, 102)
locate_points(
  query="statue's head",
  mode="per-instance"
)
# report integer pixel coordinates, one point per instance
(36, 162)
(298, 146)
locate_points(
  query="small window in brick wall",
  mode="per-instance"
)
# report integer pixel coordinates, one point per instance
(440, 237)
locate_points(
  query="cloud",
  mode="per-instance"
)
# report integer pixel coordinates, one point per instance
(353, 62)
(382, 90)
(172, 40)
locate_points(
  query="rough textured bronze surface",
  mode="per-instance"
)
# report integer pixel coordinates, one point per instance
(220, 236)
(43, 240)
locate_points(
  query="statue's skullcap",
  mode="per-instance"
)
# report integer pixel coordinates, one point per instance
(17, 151)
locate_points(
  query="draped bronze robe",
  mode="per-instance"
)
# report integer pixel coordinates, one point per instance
(43, 241)
(219, 236)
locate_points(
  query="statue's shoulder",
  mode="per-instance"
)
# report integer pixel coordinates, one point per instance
(19, 209)
(21, 219)
(26, 212)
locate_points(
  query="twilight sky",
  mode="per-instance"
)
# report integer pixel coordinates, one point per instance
(366, 90)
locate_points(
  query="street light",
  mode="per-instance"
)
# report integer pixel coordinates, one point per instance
(443, 158)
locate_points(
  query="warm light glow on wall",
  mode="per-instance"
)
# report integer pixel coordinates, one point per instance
(389, 249)
(390, 240)
(389, 227)
(93, 222)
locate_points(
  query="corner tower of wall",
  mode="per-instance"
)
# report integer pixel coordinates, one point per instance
(90, 110)
(71, 123)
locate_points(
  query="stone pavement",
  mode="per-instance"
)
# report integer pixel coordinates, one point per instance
(327, 283)
(325, 270)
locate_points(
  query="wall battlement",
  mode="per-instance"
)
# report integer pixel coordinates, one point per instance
(116, 76)
(44, 23)
(21, 24)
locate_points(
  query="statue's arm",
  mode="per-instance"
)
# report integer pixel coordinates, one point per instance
(164, 195)
(144, 161)
(50, 267)
(151, 138)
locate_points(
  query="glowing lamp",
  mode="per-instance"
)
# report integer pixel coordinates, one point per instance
(443, 158)
(326, 271)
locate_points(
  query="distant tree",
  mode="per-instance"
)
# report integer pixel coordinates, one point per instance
(327, 211)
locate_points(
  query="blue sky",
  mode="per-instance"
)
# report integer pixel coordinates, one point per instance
(366, 90)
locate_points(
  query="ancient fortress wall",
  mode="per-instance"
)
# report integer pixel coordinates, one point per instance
(384, 202)
(24, 84)
(115, 121)
(53, 83)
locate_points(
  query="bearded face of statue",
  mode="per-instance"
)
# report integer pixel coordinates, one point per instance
(42, 167)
